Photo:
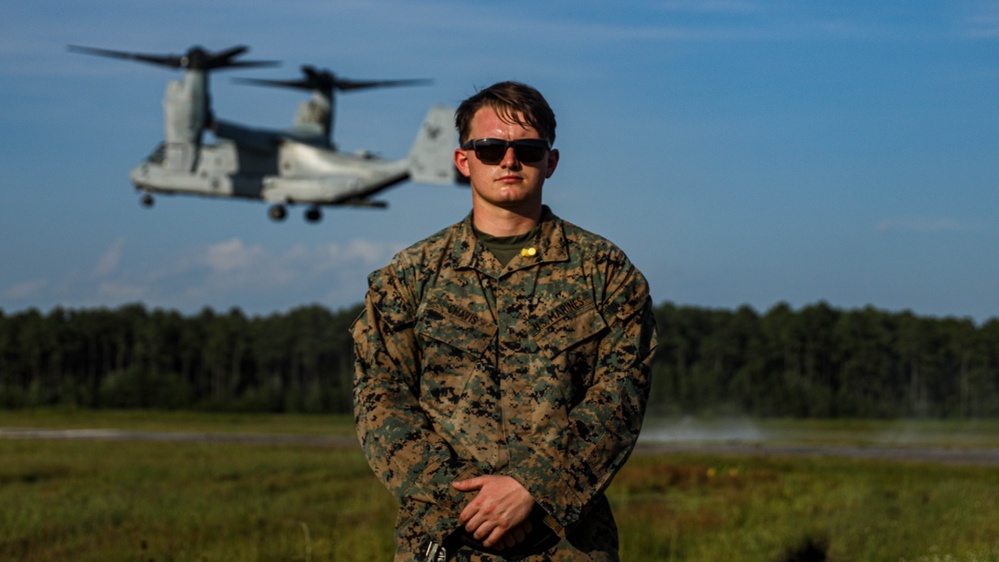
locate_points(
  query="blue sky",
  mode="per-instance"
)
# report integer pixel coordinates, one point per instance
(741, 152)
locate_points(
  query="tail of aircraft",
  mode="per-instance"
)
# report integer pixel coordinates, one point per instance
(431, 159)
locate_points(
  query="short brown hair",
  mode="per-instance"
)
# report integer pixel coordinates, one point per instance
(513, 101)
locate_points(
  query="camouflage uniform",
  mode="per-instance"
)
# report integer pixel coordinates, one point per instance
(538, 370)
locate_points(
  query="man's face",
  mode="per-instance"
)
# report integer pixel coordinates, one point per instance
(509, 184)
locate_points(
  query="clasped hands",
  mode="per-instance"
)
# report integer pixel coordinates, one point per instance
(498, 515)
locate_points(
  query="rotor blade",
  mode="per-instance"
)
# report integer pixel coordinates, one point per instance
(325, 81)
(347, 85)
(196, 58)
(162, 60)
(224, 59)
(232, 52)
(250, 63)
(301, 84)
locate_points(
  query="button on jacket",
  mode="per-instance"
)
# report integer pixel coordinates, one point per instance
(538, 370)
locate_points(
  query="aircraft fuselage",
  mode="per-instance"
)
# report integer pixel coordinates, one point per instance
(292, 172)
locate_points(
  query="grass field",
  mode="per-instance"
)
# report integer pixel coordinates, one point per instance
(175, 501)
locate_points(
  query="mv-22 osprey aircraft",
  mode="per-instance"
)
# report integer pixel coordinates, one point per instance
(300, 165)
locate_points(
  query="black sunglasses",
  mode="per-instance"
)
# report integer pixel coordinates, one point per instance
(492, 151)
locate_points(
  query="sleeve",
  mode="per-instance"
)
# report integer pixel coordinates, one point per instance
(405, 453)
(604, 425)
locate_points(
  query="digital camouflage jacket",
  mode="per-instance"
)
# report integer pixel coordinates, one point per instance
(538, 370)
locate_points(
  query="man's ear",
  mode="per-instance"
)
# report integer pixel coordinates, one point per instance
(461, 162)
(552, 162)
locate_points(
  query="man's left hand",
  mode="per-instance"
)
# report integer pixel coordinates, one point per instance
(496, 515)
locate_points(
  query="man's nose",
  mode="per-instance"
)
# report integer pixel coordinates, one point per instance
(509, 158)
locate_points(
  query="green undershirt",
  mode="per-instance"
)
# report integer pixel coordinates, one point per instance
(505, 247)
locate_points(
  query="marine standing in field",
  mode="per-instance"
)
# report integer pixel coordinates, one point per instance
(502, 364)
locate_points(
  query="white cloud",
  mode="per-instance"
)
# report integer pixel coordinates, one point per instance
(111, 259)
(230, 273)
(25, 290)
(984, 23)
(356, 253)
(234, 273)
(257, 265)
(121, 291)
(233, 255)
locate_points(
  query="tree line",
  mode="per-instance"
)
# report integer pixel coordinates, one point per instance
(818, 361)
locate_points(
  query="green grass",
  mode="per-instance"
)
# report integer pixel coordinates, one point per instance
(765, 509)
(108, 501)
(175, 501)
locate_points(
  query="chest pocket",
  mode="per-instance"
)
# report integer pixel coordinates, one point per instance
(566, 325)
(441, 323)
(453, 344)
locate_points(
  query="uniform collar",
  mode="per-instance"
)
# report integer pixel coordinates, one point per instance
(549, 246)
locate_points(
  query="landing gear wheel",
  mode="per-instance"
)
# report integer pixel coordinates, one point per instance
(277, 212)
(313, 214)
(147, 200)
